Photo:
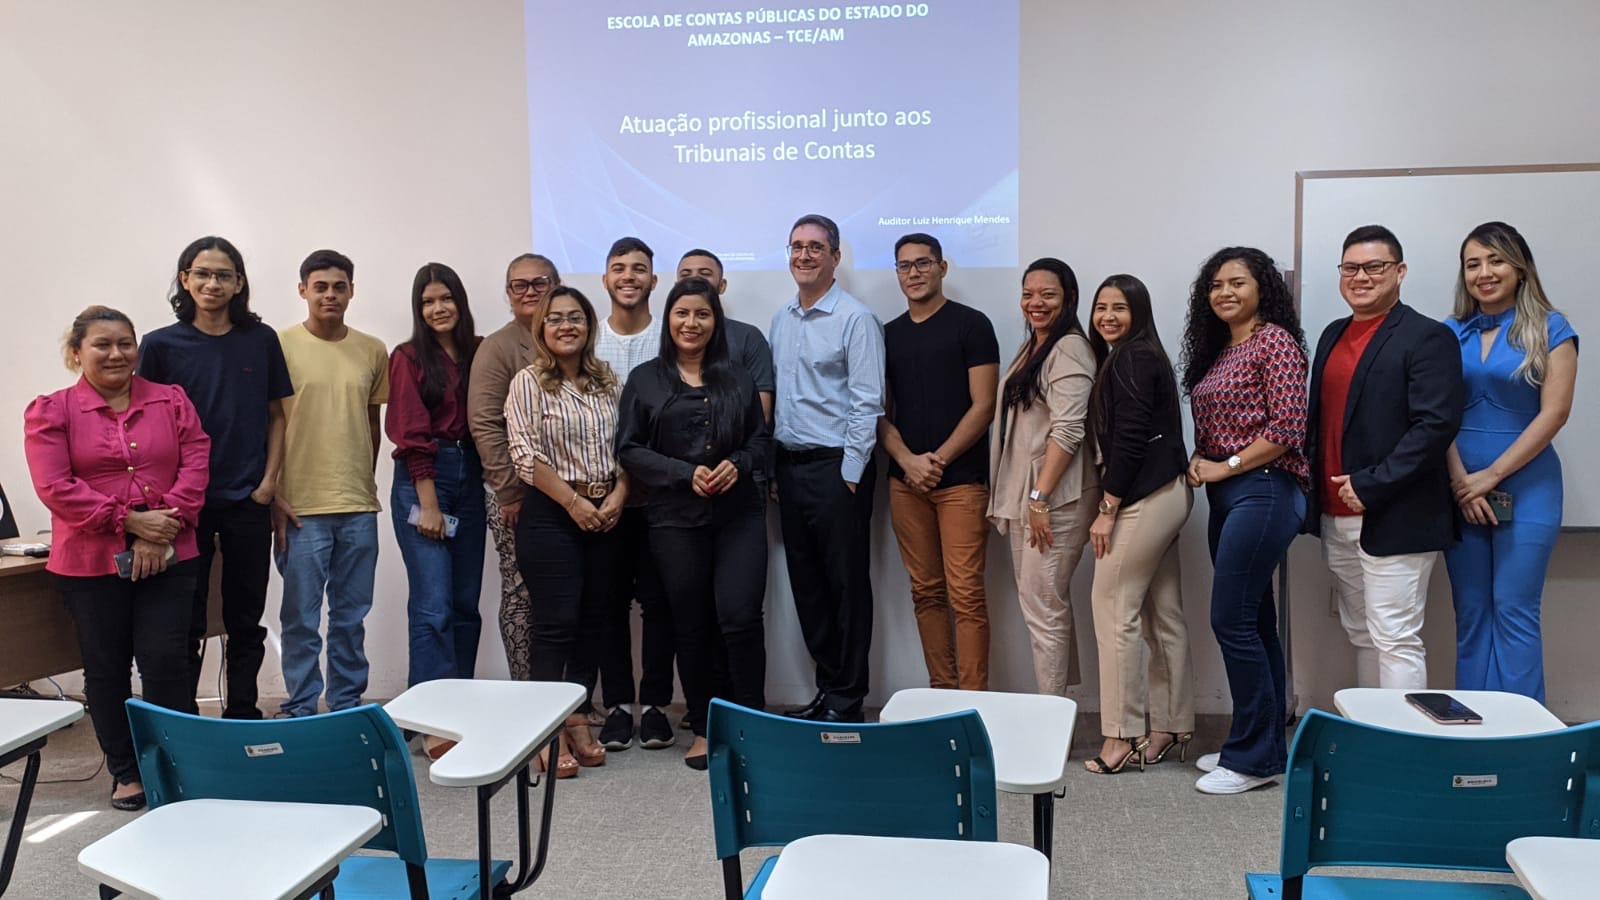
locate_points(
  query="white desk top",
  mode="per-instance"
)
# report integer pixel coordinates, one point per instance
(1030, 733)
(1554, 868)
(241, 849)
(852, 867)
(496, 724)
(22, 721)
(1504, 715)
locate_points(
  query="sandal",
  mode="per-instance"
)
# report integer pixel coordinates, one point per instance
(1181, 741)
(1136, 747)
(587, 751)
(566, 764)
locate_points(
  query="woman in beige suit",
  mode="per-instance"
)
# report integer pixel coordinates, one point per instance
(1043, 483)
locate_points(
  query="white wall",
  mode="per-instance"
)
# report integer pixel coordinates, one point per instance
(396, 131)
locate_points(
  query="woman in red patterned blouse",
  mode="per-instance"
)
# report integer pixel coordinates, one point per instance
(1244, 359)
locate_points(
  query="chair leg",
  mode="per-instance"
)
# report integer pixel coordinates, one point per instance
(1044, 823)
(1292, 887)
(732, 878)
(107, 892)
(19, 816)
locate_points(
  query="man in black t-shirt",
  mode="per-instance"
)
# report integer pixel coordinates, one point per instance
(943, 364)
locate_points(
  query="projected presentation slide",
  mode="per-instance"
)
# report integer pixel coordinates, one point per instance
(717, 124)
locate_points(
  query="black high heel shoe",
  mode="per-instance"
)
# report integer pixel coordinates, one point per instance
(1135, 749)
(130, 803)
(1181, 741)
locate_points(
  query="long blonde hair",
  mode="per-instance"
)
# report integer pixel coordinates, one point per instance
(1529, 330)
(594, 374)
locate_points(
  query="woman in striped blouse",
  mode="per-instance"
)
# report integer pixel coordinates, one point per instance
(561, 424)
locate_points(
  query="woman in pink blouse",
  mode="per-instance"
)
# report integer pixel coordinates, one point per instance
(1244, 369)
(122, 464)
(436, 498)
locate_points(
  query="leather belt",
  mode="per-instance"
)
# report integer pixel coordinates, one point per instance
(594, 490)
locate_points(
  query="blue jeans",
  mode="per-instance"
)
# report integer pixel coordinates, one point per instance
(1254, 517)
(445, 577)
(1497, 577)
(336, 552)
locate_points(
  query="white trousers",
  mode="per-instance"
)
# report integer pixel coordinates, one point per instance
(1381, 604)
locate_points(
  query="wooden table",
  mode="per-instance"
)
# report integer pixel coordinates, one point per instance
(499, 726)
(239, 849)
(855, 867)
(1556, 868)
(1029, 733)
(25, 725)
(1504, 715)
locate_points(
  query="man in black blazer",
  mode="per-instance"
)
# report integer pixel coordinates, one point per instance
(1386, 399)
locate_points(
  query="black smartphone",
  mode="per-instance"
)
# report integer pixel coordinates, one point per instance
(1444, 709)
(1500, 502)
(124, 561)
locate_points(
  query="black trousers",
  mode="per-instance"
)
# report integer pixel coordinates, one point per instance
(826, 543)
(637, 578)
(715, 577)
(120, 622)
(569, 573)
(243, 529)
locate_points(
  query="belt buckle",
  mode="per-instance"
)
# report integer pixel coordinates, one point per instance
(596, 490)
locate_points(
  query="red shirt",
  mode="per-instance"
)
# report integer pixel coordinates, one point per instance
(1336, 376)
(414, 427)
(1256, 389)
(91, 464)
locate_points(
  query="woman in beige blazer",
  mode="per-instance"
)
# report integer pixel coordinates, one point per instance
(1043, 483)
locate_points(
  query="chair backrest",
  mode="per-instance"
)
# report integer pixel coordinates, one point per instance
(775, 779)
(353, 757)
(1361, 795)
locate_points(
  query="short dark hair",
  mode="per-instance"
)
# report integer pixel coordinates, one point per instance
(917, 237)
(701, 251)
(624, 246)
(823, 222)
(327, 259)
(1374, 234)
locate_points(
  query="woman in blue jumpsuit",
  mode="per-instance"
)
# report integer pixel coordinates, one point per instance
(1520, 359)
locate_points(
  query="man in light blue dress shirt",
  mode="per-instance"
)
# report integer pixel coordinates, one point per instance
(827, 348)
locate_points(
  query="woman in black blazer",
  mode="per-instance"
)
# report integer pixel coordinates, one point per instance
(1133, 414)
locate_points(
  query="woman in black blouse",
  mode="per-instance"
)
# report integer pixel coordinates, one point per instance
(691, 430)
(1133, 414)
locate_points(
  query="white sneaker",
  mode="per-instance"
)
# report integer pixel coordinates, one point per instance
(1208, 762)
(1227, 781)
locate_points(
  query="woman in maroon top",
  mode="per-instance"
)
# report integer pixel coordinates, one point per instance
(437, 497)
(1244, 370)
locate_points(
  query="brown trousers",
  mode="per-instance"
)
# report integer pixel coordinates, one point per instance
(944, 536)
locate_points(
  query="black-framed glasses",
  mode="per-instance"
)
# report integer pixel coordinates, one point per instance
(923, 265)
(1374, 268)
(813, 248)
(223, 277)
(520, 286)
(556, 320)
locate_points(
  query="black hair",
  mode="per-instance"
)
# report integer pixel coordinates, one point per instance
(182, 301)
(1368, 234)
(1025, 385)
(918, 237)
(1205, 335)
(701, 251)
(717, 371)
(1141, 334)
(821, 221)
(327, 259)
(424, 343)
(624, 246)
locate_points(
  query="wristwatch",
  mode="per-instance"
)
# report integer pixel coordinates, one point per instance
(1036, 496)
(1108, 508)
(1234, 462)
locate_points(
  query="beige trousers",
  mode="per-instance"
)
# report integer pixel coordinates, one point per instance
(1044, 579)
(1138, 595)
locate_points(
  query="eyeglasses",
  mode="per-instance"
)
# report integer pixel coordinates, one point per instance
(521, 286)
(923, 265)
(556, 320)
(1375, 268)
(222, 277)
(812, 249)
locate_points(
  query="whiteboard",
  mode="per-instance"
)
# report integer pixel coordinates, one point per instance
(1557, 208)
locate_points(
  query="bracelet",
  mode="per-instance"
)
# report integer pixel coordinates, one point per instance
(572, 501)
(1038, 507)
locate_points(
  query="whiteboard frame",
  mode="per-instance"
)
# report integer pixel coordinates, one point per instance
(1301, 177)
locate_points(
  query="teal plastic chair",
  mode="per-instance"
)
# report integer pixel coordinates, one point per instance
(775, 779)
(355, 757)
(1360, 795)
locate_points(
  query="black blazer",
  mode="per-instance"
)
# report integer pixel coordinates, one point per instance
(1141, 432)
(1403, 410)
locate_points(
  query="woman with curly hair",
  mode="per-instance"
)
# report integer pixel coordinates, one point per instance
(1244, 370)
(561, 426)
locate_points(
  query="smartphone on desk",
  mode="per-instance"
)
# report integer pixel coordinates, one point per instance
(1444, 709)
(450, 522)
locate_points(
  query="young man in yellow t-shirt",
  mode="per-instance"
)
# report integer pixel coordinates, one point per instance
(324, 518)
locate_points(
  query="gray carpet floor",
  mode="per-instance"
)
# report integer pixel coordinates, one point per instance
(640, 827)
